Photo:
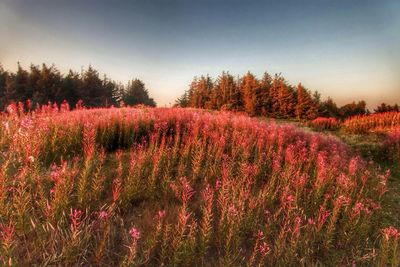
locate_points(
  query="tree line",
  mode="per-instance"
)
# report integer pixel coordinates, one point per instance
(270, 96)
(43, 84)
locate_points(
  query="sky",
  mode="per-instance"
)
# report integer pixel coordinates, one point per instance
(346, 49)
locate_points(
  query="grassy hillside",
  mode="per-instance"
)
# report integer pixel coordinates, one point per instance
(179, 187)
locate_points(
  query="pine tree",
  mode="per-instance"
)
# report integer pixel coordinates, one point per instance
(205, 87)
(264, 103)
(235, 98)
(305, 106)
(136, 93)
(48, 84)
(18, 89)
(284, 98)
(248, 87)
(69, 89)
(4, 76)
(223, 91)
(183, 100)
(90, 89)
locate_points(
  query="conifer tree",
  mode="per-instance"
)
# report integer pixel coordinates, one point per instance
(136, 93)
(4, 76)
(264, 101)
(305, 106)
(43, 84)
(18, 88)
(284, 98)
(224, 90)
(249, 87)
(69, 89)
(183, 100)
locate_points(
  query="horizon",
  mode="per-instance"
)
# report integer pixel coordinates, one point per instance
(341, 49)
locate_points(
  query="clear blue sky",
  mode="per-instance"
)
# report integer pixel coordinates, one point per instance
(348, 49)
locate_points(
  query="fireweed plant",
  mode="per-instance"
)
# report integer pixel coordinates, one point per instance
(179, 187)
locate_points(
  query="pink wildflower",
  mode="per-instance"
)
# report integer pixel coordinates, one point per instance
(264, 249)
(390, 232)
(134, 233)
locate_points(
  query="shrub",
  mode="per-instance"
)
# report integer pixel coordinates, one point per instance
(322, 123)
(391, 145)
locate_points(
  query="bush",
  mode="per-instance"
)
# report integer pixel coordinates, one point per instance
(391, 145)
(322, 123)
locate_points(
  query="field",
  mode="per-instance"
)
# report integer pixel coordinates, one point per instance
(178, 187)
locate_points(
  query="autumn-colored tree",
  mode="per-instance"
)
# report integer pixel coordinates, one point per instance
(235, 98)
(272, 97)
(305, 107)
(263, 96)
(205, 87)
(284, 98)
(200, 92)
(223, 90)
(249, 86)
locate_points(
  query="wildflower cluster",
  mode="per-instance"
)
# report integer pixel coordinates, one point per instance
(180, 187)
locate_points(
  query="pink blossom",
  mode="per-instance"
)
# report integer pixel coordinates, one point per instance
(103, 215)
(264, 248)
(260, 235)
(7, 232)
(134, 233)
(75, 216)
(161, 214)
(390, 232)
(323, 214)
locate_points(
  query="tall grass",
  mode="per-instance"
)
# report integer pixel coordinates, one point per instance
(179, 187)
(373, 122)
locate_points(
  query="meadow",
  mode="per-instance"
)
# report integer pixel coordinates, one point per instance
(177, 187)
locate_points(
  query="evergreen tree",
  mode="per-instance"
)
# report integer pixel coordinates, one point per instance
(69, 89)
(285, 99)
(235, 101)
(4, 76)
(223, 91)
(45, 84)
(136, 93)
(183, 100)
(91, 89)
(249, 87)
(205, 86)
(264, 100)
(18, 88)
(305, 106)
(328, 108)
(353, 109)
(386, 108)
(110, 90)
(48, 85)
